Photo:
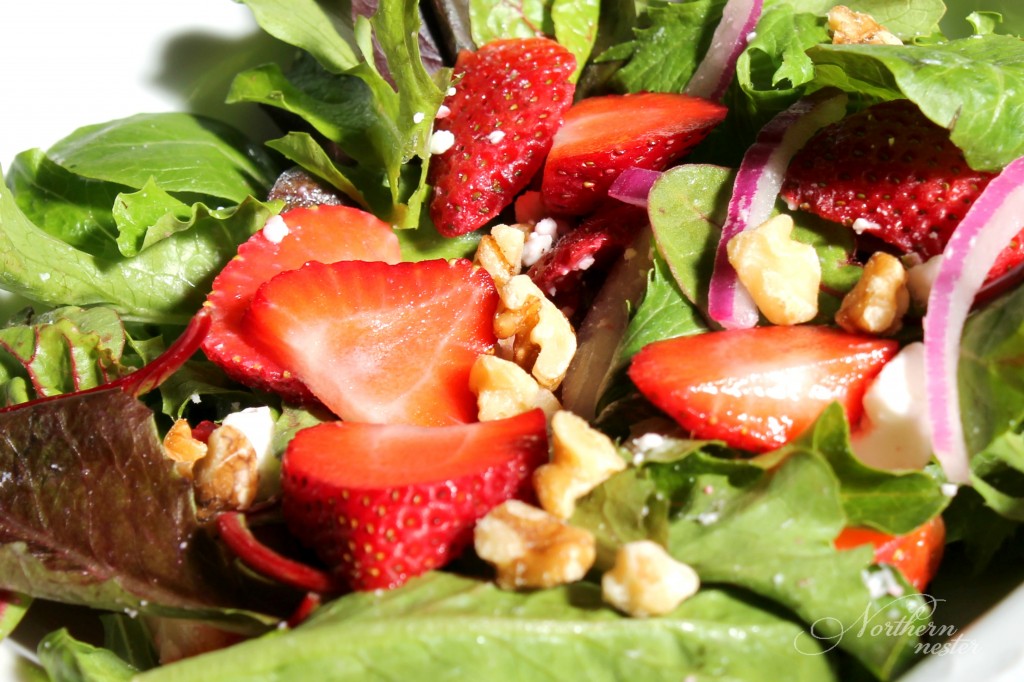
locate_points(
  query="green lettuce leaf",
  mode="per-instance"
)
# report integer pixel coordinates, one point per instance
(64, 350)
(573, 23)
(166, 283)
(445, 628)
(67, 659)
(972, 86)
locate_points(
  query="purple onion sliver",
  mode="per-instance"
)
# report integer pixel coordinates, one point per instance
(755, 190)
(633, 186)
(989, 225)
(716, 70)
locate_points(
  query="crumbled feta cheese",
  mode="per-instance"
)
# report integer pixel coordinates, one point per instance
(648, 442)
(949, 489)
(45, 276)
(536, 246)
(496, 136)
(275, 229)
(881, 582)
(443, 112)
(585, 263)
(418, 117)
(441, 141)
(546, 226)
(450, 92)
(896, 434)
(257, 424)
(862, 225)
(195, 398)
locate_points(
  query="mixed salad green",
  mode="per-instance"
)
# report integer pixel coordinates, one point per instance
(112, 237)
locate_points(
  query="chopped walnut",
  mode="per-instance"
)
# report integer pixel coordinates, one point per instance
(880, 299)
(182, 448)
(227, 477)
(500, 253)
(543, 341)
(530, 548)
(856, 28)
(504, 389)
(647, 581)
(582, 459)
(781, 274)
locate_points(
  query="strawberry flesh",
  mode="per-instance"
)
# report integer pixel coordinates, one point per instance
(509, 99)
(890, 172)
(380, 343)
(586, 252)
(916, 555)
(604, 136)
(383, 503)
(324, 233)
(756, 389)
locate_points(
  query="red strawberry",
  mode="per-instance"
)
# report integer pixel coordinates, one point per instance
(380, 343)
(603, 136)
(587, 249)
(916, 555)
(383, 503)
(509, 99)
(890, 172)
(325, 233)
(758, 388)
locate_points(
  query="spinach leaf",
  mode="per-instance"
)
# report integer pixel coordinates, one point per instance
(181, 152)
(444, 627)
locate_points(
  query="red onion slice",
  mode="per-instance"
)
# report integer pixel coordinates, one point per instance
(755, 191)
(990, 224)
(715, 72)
(633, 186)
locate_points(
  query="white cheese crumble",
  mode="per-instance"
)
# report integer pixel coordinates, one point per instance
(257, 424)
(920, 279)
(45, 276)
(862, 225)
(441, 141)
(496, 136)
(275, 229)
(881, 582)
(535, 247)
(443, 112)
(418, 117)
(896, 434)
(450, 92)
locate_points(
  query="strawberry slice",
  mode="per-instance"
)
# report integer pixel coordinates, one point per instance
(603, 136)
(587, 250)
(377, 342)
(383, 503)
(509, 98)
(324, 233)
(890, 172)
(757, 389)
(916, 555)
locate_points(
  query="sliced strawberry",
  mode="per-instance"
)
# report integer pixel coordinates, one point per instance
(324, 233)
(916, 555)
(890, 172)
(603, 136)
(380, 343)
(758, 388)
(383, 503)
(588, 249)
(509, 99)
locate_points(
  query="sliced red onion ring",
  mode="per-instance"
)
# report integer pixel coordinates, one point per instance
(755, 190)
(715, 72)
(990, 224)
(633, 186)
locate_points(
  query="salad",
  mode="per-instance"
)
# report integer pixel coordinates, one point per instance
(603, 340)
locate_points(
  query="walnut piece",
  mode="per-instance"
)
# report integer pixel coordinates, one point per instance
(781, 274)
(880, 299)
(856, 28)
(543, 341)
(504, 389)
(530, 548)
(228, 476)
(182, 448)
(500, 253)
(582, 459)
(647, 581)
